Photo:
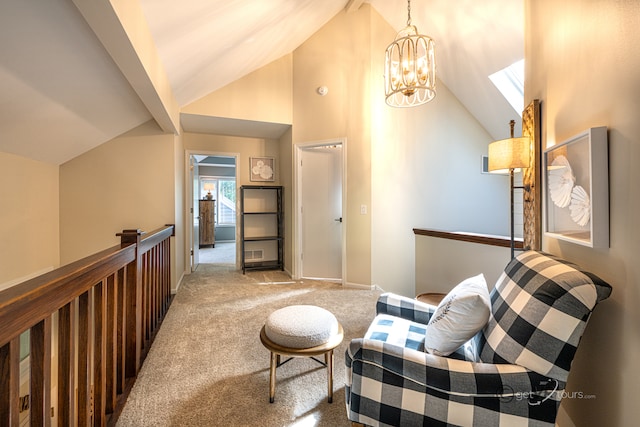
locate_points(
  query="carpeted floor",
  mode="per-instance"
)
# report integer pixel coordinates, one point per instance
(222, 253)
(207, 366)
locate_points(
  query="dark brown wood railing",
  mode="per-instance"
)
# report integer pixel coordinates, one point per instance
(105, 309)
(482, 239)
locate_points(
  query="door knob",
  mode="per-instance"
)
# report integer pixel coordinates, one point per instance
(338, 219)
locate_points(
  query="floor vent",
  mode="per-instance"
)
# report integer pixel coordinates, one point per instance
(255, 255)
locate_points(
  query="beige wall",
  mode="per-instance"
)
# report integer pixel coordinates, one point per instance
(178, 246)
(431, 154)
(583, 63)
(408, 145)
(285, 92)
(426, 173)
(338, 56)
(245, 147)
(264, 95)
(29, 237)
(286, 180)
(442, 263)
(128, 182)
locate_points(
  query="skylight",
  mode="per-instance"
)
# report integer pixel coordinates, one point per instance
(510, 82)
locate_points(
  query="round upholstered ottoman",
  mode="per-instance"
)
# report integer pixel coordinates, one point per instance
(301, 331)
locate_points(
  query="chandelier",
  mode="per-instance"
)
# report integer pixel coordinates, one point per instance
(410, 67)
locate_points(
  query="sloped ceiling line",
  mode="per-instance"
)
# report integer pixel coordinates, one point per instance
(67, 89)
(123, 31)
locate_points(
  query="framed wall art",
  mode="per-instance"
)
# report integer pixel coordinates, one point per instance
(262, 169)
(577, 189)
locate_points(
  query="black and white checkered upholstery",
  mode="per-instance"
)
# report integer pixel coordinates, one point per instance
(498, 377)
(540, 308)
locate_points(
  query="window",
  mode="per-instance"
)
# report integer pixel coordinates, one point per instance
(510, 82)
(224, 192)
(227, 201)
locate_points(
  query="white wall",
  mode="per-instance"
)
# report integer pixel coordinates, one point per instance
(583, 62)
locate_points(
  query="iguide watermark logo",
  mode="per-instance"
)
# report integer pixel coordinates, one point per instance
(507, 394)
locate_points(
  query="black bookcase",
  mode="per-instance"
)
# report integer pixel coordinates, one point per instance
(261, 227)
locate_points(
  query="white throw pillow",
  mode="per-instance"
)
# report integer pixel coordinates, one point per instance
(459, 316)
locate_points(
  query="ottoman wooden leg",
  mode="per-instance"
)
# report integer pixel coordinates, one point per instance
(328, 359)
(272, 376)
(278, 349)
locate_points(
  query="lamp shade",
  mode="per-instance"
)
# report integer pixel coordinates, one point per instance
(510, 153)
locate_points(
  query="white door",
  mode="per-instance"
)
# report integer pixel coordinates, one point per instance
(321, 212)
(195, 209)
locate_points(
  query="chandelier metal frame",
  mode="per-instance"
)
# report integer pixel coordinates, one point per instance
(410, 67)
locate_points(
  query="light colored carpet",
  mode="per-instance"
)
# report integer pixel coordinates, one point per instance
(207, 366)
(223, 253)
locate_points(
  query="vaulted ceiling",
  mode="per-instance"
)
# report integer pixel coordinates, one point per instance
(67, 84)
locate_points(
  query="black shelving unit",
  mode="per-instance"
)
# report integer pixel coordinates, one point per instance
(262, 205)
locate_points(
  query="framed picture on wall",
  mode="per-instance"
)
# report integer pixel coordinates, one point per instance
(262, 169)
(577, 189)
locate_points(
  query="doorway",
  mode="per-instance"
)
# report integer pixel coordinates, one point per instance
(320, 216)
(213, 208)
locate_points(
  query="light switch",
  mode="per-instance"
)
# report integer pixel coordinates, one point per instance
(363, 209)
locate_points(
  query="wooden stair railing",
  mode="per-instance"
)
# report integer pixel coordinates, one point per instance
(98, 317)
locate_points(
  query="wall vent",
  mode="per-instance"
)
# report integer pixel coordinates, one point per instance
(255, 255)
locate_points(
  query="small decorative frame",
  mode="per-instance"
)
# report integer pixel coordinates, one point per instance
(262, 169)
(577, 189)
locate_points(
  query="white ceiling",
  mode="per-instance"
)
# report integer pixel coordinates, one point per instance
(61, 92)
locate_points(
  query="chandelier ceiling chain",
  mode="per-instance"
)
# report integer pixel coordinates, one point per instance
(410, 74)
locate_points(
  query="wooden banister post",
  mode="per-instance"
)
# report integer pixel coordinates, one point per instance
(10, 383)
(133, 304)
(40, 365)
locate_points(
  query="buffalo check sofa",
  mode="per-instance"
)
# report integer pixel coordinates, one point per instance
(512, 372)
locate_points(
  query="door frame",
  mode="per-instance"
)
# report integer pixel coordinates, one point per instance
(188, 195)
(297, 204)
(194, 175)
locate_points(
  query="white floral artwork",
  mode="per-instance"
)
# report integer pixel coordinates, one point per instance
(262, 169)
(561, 181)
(576, 203)
(580, 206)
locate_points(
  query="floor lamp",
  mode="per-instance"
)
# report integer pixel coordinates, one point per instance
(509, 155)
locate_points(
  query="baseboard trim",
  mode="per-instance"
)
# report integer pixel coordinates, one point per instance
(358, 286)
(11, 283)
(175, 291)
